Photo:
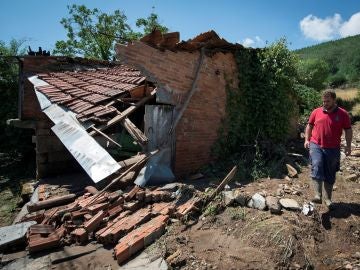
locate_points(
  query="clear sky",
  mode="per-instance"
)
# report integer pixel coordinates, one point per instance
(249, 22)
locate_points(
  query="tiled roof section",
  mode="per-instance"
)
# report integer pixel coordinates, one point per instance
(88, 92)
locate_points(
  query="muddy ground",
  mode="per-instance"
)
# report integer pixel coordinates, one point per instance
(236, 237)
(244, 238)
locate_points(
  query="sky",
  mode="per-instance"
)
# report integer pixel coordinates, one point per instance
(253, 23)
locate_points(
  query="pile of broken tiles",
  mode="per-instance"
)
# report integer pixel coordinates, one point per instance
(128, 221)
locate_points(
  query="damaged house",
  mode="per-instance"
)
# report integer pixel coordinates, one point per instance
(146, 120)
(164, 94)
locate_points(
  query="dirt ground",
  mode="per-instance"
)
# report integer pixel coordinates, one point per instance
(245, 238)
(237, 237)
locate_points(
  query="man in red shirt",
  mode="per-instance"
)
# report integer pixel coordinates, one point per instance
(323, 136)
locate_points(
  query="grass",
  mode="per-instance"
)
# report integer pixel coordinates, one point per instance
(347, 94)
(349, 99)
(238, 213)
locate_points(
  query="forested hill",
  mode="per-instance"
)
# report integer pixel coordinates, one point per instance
(342, 57)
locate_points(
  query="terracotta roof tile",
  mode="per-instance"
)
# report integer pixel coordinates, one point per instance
(86, 92)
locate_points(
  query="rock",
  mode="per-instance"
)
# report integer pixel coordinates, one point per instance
(308, 208)
(229, 197)
(273, 204)
(357, 191)
(26, 191)
(241, 197)
(257, 201)
(351, 177)
(342, 156)
(171, 187)
(290, 204)
(280, 192)
(14, 234)
(357, 255)
(355, 153)
(292, 172)
(348, 266)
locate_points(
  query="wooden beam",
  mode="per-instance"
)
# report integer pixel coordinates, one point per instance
(130, 161)
(126, 113)
(224, 182)
(136, 133)
(106, 136)
(119, 178)
(191, 92)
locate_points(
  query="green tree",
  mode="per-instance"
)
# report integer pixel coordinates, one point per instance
(313, 73)
(92, 33)
(150, 23)
(12, 140)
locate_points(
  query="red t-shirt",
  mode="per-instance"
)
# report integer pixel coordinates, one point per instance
(328, 126)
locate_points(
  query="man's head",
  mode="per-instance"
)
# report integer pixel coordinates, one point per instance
(329, 100)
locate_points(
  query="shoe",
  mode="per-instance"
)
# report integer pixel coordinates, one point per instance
(327, 195)
(317, 186)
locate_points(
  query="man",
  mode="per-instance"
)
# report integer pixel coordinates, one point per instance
(323, 136)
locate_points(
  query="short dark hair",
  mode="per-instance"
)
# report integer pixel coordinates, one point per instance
(329, 93)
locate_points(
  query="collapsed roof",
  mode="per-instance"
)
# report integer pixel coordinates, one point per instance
(92, 99)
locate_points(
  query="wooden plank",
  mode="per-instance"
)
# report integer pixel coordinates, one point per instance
(130, 161)
(126, 113)
(136, 133)
(119, 178)
(56, 201)
(220, 187)
(191, 92)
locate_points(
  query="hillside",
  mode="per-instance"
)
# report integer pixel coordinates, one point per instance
(342, 56)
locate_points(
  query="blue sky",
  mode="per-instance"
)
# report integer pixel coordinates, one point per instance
(250, 22)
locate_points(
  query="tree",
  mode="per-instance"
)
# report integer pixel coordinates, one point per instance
(12, 140)
(93, 34)
(313, 73)
(151, 23)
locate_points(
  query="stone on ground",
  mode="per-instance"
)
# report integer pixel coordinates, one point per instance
(257, 201)
(290, 204)
(273, 204)
(14, 234)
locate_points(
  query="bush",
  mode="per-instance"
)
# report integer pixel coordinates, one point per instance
(258, 112)
(337, 80)
(313, 73)
(308, 99)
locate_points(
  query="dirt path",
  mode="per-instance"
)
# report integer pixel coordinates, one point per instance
(245, 238)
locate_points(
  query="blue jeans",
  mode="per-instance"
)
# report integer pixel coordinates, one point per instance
(325, 162)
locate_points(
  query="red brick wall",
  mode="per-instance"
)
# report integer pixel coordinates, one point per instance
(198, 129)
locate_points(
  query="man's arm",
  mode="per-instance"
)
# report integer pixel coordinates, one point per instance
(308, 131)
(348, 139)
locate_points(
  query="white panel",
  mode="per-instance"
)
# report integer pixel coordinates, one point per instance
(91, 156)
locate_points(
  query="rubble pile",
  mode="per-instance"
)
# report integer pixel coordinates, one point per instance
(129, 221)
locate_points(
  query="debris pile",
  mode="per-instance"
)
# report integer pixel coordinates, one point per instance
(129, 221)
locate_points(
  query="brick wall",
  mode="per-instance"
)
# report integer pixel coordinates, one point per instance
(51, 155)
(174, 72)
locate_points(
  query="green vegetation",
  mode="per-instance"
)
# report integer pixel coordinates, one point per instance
(13, 141)
(342, 57)
(93, 34)
(259, 111)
